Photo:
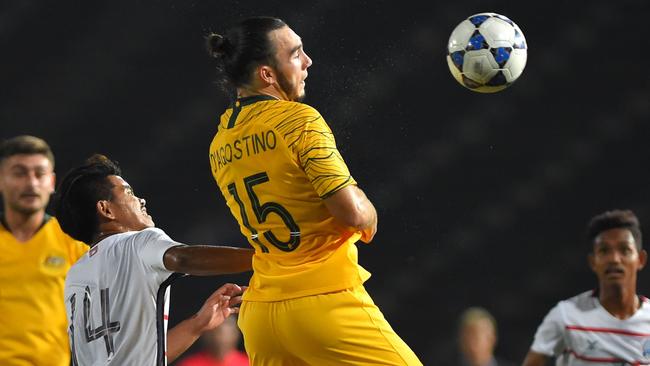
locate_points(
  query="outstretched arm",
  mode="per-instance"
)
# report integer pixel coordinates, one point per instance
(352, 208)
(214, 311)
(204, 260)
(535, 359)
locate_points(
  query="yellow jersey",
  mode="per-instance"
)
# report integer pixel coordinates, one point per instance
(33, 324)
(275, 161)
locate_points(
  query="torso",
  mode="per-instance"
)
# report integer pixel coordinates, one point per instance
(121, 285)
(274, 162)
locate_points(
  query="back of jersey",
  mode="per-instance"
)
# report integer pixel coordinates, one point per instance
(275, 161)
(116, 301)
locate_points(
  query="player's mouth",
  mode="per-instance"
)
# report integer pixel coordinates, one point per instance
(30, 195)
(144, 212)
(614, 272)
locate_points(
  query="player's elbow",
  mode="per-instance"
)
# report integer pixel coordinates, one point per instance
(359, 218)
(351, 207)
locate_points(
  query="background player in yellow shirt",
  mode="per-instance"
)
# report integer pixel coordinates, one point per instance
(275, 161)
(35, 256)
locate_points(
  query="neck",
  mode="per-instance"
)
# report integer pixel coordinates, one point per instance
(621, 302)
(270, 90)
(113, 227)
(23, 226)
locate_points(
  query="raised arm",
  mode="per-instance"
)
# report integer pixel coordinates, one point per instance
(352, 208)
(214, 311)
(204, 260)
(535, 359)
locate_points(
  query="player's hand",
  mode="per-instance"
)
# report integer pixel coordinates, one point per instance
(220, 305)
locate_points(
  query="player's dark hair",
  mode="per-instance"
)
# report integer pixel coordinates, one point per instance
(615, 219)
(241, 49)
(76, 199)
(25, 144)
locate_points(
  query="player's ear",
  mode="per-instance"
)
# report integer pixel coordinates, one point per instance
(266, 74)
(52, 182)
(104, 209)
(643, 258)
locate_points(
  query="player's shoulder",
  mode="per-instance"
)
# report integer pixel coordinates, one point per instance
(147, 234)
(581, 302)
(152, 231)
(298, 109)
(645, 306)
(132, 238)
(291, 118)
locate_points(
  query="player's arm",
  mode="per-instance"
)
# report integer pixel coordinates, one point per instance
(548, 339)
(204, 260)
(535, 359)
(351, 207)
(213, 312)
(327, 171)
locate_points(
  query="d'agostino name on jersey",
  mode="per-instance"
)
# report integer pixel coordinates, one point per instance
(242, 148)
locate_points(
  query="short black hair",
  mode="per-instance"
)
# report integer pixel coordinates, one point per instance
(242, 48)
(614, 219)
(25, 144)
(80, 190)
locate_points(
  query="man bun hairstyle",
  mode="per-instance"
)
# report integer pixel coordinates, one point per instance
(76, 199)
(241, 49)
(218, 46)
(614, 219)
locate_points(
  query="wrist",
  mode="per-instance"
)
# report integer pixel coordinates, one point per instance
(195, 324)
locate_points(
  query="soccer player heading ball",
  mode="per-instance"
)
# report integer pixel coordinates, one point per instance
(277, 165)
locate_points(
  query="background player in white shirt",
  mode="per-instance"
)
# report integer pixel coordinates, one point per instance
(117, 294)
(609, 325)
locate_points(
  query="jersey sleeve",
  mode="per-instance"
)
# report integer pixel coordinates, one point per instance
(549, 339)
(77, 249)
(320, 159)
(154, 244)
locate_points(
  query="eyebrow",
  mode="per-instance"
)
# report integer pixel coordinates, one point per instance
(299, 46)
(23, 166)
(617, 243)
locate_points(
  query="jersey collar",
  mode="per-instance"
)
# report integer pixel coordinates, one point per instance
(241, 102)
(3, 221)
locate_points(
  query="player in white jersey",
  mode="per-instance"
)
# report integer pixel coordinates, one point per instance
(609, 325)
(117, 294)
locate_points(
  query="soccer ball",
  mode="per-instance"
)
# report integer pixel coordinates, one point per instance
(486, 52)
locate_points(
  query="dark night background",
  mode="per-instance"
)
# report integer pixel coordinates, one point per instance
(482, 198)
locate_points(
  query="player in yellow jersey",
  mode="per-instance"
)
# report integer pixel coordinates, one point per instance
(275, 161)
(35, 256)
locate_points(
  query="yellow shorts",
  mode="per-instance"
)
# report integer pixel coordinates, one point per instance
(339, 328)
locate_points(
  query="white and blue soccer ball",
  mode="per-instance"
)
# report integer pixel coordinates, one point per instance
(487, 52)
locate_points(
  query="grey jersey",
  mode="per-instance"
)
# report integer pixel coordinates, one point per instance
(117, 301)
(580, 332)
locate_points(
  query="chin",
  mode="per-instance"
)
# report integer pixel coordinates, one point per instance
(300, 97)
(615, 282)
(30, 210)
